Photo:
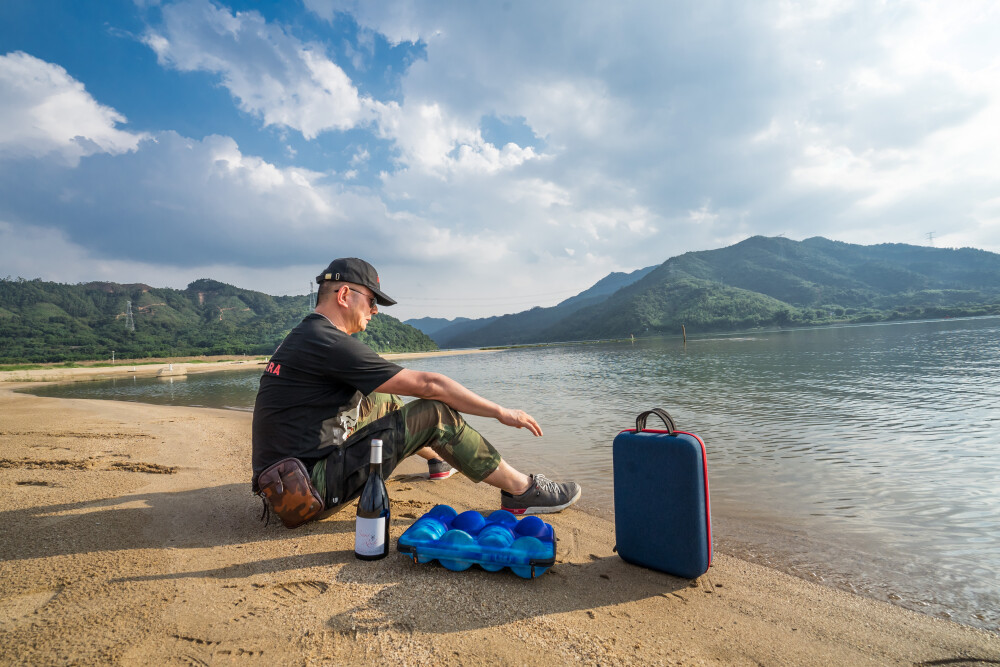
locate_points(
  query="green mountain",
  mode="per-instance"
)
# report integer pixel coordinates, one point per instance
(45, 322)
(523, 327)
(605, 287)
(774, 282)
(431, 325)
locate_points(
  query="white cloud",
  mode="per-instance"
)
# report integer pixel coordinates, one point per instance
(289, 83)
(431, 141)
(275, 76)
(45, 112)
(906, 134)
(360, 157)
(398, 23)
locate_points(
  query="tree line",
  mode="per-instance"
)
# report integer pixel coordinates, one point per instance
(53, 322)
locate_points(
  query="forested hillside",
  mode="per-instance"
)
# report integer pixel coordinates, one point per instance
(45, 322)
(769, 282)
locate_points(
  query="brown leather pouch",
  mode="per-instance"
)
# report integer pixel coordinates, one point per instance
(288, 491)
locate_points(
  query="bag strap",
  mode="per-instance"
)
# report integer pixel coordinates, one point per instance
(640, 421)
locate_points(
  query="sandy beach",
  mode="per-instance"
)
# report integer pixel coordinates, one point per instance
(131, 537)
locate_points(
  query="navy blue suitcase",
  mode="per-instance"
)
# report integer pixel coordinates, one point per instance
(663, 519)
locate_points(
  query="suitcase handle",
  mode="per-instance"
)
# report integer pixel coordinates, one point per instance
(640, 421)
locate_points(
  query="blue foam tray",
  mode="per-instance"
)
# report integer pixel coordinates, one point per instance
(459, 541)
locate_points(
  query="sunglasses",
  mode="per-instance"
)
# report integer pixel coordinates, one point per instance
(371, 299)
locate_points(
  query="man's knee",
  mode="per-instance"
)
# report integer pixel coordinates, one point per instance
(428, 413)
(440, 408)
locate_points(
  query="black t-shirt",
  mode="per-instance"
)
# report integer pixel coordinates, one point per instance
(310, 392)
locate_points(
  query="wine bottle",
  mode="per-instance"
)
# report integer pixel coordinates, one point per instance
(371, 530)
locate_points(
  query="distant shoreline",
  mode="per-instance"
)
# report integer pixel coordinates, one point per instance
(99, 370)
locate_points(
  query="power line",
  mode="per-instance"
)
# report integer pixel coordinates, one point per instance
(484, 303)
(526, 298)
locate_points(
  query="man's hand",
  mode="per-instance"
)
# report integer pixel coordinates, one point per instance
(519, 419)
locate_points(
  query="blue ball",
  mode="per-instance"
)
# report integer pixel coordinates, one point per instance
(471, 522)
(427, 528)
(459, 542)
(503, 518)
(532, 526)
(496, 536)
(494, 540)
(444, 513)
(526, 549)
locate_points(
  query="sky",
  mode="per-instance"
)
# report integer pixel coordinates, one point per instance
(485, 157)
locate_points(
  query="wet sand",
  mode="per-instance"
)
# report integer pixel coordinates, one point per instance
(131, 537)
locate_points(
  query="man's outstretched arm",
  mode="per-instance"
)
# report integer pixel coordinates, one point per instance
(435, 386)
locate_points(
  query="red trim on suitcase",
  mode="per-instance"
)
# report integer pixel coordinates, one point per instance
(708, 506)
(704, 468)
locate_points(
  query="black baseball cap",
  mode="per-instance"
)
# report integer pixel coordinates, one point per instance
(357, 271)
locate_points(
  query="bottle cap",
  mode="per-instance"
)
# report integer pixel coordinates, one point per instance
(376, 451)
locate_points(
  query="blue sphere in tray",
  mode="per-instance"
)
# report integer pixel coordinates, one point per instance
(529, 548)
(427, 528)
(494, 537)
(532, 526)
(443, 513)
(458, 541)
(502, 517)
(471, 522)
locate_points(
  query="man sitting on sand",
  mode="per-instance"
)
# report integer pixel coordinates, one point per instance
(325, 395)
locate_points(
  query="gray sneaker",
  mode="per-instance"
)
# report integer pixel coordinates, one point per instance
(438, 470)
(543, 497)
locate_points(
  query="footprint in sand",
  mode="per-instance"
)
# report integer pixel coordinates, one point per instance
(276, 596)
(568, 544)
(87, 464)
(187, 659)
(409, 477)
(198, 651)
(18, 607)
(154, 468)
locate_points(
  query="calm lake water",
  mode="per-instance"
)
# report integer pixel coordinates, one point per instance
(864, 457)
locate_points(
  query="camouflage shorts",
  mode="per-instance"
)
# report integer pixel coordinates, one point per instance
(403, 429)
